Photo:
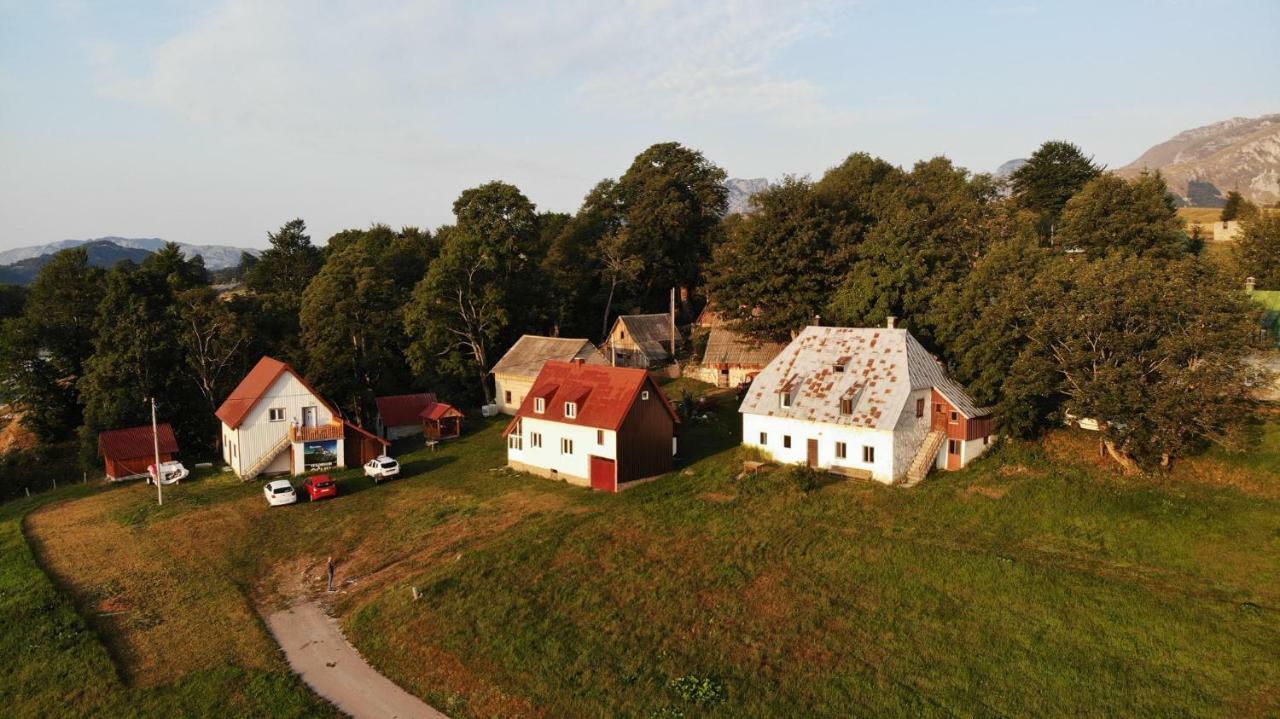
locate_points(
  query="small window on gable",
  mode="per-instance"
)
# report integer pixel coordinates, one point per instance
(920, 407)
(644, 394)
(955, 416)
(846, 406)
(507, 396)
(571, 409)
(539, 405)
(275, 414)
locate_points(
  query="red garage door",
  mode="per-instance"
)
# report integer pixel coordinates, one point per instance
(604, 474)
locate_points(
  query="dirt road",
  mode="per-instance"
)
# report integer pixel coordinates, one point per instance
(317, 651)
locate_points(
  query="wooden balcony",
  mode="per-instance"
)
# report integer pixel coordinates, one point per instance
(333, 430)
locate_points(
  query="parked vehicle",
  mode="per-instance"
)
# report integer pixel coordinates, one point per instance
(278, 492)
(170, 473)
(320, 486)
(382, 467)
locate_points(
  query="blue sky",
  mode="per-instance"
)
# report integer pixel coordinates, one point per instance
(217, 122)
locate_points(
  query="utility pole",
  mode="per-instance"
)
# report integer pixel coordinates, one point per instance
(155, 438)
(673, 325)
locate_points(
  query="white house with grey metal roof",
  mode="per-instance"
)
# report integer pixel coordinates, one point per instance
(863, 401)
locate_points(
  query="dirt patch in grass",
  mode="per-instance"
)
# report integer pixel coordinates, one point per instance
(985, 491)
(718, 497)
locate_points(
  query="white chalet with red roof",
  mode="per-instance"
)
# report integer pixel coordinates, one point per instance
(593, 425)
(274, 422)
(863, 402)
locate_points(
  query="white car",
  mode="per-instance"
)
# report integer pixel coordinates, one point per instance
(170, 473)
(278, 492)
(382, 467)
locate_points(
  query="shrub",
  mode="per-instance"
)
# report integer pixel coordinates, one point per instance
(804, 478)
(702, 691)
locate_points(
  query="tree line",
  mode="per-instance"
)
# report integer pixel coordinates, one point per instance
(1064, 291)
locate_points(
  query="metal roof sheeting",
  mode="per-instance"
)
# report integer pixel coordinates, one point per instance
(135, 442)
(879, 369)
(400, 410)
(530, 352)
(726, 347)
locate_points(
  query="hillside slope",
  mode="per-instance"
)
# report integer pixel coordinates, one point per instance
(102, 253)
(216, 257)
(1204, 164)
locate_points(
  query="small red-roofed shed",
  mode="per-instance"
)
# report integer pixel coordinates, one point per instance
(126, 453)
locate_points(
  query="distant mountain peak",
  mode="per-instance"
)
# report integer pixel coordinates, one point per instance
(1204, 163)
(741, 192)
(216, 257)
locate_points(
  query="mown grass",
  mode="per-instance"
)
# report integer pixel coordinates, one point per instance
(1032, 583)
(53, 662)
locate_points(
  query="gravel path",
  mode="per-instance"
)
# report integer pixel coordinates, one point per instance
(328, 663)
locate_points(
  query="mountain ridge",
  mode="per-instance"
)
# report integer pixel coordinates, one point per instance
(216, 257)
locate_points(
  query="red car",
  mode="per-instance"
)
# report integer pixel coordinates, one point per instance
(319, 487)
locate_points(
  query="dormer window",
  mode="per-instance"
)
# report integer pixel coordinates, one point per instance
(570, 409)
(539, 405)
(784, 399)
(846, 406)
(838, 368)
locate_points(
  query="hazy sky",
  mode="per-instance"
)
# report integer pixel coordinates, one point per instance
(216, 122)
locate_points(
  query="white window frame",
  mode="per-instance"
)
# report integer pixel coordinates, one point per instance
(539, 405)
(535, 439)
(570, 409)
(644, 394)
(868, 454)
(275, 414)
(566, 445)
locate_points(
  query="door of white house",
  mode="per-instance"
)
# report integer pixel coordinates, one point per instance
(308, 416)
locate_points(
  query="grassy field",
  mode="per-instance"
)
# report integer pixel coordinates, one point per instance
(1033, 583)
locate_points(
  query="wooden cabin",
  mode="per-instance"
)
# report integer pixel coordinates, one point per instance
(126, 453)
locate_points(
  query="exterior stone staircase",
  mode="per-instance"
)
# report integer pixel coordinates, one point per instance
(924, 458)
(267, 457)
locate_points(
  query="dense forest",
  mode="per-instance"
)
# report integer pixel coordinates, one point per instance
(1063, 290)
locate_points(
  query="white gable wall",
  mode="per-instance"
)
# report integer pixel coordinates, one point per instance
(801, 431)
(257, 433)
(574, 468)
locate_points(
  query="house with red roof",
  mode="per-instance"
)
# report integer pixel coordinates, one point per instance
(400, 415)
(404, 415)
(274, 422)
(593, 425)
(126, 453)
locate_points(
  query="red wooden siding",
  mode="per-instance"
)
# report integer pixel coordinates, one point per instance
(963, 428)
(644, 439)
(133, 465)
